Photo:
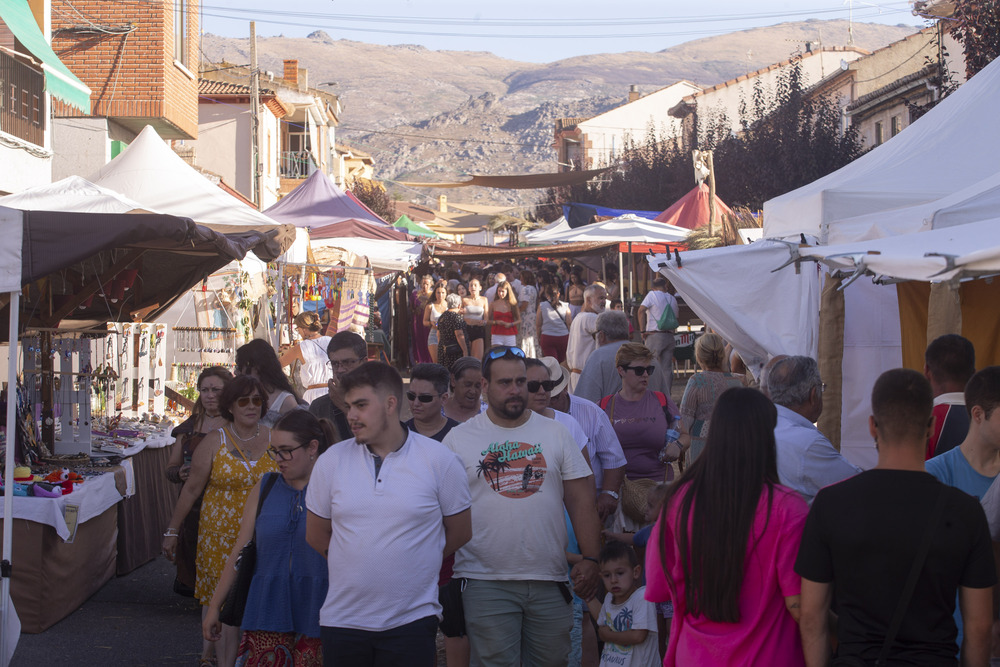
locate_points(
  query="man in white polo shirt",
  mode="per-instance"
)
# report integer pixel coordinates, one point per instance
(384, 507)
(523, 470)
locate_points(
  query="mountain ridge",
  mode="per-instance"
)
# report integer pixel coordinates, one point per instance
(495, 115)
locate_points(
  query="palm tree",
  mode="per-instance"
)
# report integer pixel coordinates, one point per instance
(483, 470)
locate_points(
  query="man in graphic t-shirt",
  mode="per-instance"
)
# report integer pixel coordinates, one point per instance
(523, 471)
(659, 340)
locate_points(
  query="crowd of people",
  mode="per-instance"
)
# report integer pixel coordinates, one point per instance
(547, 509)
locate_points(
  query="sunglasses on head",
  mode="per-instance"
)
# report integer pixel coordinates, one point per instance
(244, 401)
(503, 350)
(547, 385)
(423, 398)
(640, 370)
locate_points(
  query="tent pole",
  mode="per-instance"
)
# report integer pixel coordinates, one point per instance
(631, 275)
(8, 498)
(281, 300)
(621, 275)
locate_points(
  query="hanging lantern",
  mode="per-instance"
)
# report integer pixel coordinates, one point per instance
(117, 290)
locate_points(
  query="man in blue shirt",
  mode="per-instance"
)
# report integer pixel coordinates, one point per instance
(974, 464)
(806, 460)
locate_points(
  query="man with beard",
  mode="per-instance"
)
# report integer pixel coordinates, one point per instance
(384, 507)
(465, 401)
(517, 602)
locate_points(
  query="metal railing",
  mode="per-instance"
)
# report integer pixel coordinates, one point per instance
(22, 100)
(296, 164)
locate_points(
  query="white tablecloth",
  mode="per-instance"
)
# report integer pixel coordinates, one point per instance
(92, 497)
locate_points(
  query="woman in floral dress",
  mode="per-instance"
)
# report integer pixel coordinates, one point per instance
(226, 466)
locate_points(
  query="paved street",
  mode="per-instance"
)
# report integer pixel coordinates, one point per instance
(132, 621)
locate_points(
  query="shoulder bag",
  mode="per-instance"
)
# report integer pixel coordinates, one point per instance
(231, 612)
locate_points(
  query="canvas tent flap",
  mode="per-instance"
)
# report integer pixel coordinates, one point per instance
(173, 254)
(317, 202)
(724, 287)
(581, 215)
(11, 227)
(963, 251)
(59, 81)
(75, 194)
(935, 156)
(382, 255)
(151, 174)
(471, 253)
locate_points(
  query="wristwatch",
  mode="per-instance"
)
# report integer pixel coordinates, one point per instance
(613, 494)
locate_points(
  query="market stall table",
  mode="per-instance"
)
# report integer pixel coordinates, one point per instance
(64, 549)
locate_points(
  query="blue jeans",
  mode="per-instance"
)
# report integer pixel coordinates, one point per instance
(410, 645)
(514, 623)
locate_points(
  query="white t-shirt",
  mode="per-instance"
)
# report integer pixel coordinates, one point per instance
(388, 531)
(516, 480)
(654, 302)
(637, 613)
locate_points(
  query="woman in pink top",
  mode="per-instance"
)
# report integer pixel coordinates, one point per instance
(723, 548)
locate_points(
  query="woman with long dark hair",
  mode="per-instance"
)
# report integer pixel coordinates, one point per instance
(724, 546)
(281, 621)
(257, 358)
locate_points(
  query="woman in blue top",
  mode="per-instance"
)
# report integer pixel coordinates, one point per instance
(281, 621)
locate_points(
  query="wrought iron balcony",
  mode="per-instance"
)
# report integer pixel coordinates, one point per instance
(296, 164)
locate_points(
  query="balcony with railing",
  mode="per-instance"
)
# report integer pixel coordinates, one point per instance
(296, 164)
(22, 100)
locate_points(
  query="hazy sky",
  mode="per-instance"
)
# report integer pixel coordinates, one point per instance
(538, 30)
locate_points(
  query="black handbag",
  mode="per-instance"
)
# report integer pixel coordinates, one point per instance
(231, 612)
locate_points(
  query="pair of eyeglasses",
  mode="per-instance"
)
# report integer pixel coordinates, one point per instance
(640, 370)
(282, 454)
(535, 385)
(348, 364)
(244, 401)
(423, 398)
(503, 350)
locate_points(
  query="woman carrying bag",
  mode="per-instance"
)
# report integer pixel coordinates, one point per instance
(280, 621)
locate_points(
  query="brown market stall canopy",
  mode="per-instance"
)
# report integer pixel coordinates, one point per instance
(470, 253)
(84, 269)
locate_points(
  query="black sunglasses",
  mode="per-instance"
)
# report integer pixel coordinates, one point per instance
(547, 385)
(640, 370)
(423, 398)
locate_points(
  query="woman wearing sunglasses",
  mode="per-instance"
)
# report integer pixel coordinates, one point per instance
(226, 466)
(281, 619)
(640, 418)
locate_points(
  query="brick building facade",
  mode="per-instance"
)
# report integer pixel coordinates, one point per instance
(139, 57)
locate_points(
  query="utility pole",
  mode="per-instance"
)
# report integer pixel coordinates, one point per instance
(258, 170)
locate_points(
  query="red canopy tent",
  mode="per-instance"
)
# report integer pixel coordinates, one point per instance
(691, 210)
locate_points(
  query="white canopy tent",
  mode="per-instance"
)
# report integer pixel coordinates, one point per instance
(73, 193)
(939, 154)
(626, 228)
(886, 214)
(540, 236)
(381, 254)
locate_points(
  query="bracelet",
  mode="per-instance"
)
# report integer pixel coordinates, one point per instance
(613, 494)
(591, 559)
(171, 533)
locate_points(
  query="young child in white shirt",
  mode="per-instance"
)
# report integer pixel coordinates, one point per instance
(626, 622)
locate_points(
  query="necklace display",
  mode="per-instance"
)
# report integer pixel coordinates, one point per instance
(249, 437)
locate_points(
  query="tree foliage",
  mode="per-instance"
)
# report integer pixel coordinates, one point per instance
(373, 195)
(787, 139)
(976, 26)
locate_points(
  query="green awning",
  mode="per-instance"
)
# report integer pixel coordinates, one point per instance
(414, 228)
(59, 81)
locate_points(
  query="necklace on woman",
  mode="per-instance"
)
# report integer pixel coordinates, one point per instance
(249, 437)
